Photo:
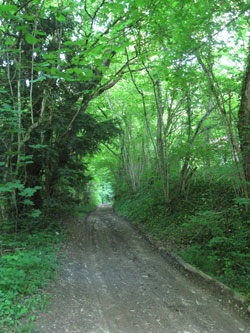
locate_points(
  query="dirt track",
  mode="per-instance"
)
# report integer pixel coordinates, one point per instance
(114, 282)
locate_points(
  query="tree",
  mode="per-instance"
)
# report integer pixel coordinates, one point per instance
(53, 65)
(189, 95)
(244, 123)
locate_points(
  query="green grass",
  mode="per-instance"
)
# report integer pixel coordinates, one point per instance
(28, 262)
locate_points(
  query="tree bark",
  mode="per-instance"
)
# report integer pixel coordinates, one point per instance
(244, 123)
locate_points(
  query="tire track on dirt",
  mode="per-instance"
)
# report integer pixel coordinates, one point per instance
(114, 282)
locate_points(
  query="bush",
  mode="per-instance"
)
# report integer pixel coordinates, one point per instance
(209, 229)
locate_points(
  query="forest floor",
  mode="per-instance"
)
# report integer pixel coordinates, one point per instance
(113, 281)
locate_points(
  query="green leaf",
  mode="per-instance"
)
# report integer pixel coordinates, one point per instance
(10, 41)
(29, 17)
(26, 157)
(30, 39)
(88, 72)
(22, 28)
(40, 33)
(41, 78)
(242, 201)
(8, 9)
(8, 187)
(35, 213)
(38, 146)
(61, 18)
(141, 2)
(28, 202)
(28, 191)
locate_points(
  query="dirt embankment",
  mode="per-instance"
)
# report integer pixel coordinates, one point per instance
(114, 282)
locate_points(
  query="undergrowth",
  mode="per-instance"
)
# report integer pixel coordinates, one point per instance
(209, 230)
(28, 260)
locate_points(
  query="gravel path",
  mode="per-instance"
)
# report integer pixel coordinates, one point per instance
(114, 282)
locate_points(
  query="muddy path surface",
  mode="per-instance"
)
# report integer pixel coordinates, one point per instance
(114, 282)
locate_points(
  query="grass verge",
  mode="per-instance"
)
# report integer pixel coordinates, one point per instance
(28, 261)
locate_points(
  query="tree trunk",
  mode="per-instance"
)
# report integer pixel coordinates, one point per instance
(244, 123)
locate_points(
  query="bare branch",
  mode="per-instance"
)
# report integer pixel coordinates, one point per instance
(102, 111)
(111, 25)
(111, 150)
(86, 10)
(96, 12)
(109, 84)
(40, 119)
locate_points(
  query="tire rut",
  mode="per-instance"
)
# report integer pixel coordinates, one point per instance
(114, 282)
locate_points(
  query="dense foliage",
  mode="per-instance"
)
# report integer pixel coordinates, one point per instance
(146, 101)
(52, 67)
(180, 167)
(208, 229)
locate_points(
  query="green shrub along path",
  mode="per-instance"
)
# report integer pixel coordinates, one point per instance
(209, 230)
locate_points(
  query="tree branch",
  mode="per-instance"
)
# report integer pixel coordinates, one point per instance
(111, 150)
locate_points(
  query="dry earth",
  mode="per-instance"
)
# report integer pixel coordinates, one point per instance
(113, 281)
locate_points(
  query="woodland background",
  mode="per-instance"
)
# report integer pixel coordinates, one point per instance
(143, 103)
